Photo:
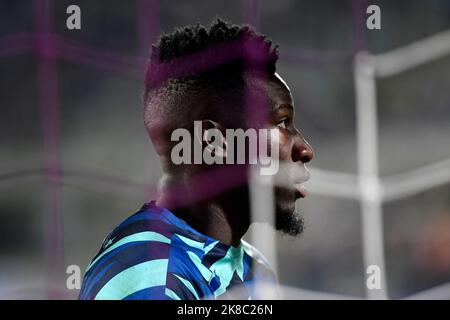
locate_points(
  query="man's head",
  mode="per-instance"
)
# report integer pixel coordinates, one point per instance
(225, 78)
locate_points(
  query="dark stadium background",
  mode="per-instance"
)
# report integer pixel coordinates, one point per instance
(109, 167)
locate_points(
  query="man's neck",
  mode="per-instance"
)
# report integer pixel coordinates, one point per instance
(218, 218)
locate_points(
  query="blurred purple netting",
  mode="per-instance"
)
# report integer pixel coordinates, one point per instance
(51, 48)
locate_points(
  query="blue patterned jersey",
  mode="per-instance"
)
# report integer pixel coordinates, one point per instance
(155, 255)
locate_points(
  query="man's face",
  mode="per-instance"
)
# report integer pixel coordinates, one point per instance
(269, 105)
(294, 151)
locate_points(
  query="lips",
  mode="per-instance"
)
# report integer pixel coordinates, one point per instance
(299, 184)
(292, 177)
(300, 191)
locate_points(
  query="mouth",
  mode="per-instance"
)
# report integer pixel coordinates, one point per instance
(293, 177)
(300, 191)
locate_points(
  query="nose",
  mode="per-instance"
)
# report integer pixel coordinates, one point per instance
(302, 150)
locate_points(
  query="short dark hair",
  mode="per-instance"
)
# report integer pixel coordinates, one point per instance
(197, 72)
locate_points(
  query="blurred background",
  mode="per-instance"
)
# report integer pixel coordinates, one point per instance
(75, 159)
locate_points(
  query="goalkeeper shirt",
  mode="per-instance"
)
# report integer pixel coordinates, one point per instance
(153, 254)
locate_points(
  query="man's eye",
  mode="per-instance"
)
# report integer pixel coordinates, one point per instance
(283, 123)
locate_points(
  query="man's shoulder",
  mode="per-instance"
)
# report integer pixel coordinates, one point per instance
(133, 257)
(147, 225)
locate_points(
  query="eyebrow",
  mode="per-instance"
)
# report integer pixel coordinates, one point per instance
(283, 106)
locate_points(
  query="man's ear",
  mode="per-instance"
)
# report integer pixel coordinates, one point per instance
(211, 136)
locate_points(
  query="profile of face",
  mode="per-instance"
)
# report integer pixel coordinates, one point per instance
(294, 152)
(275, 111)
(268, 105)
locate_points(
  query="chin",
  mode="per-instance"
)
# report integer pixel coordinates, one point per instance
(288, 220)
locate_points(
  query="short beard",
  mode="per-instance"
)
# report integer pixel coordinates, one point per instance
(291, 224)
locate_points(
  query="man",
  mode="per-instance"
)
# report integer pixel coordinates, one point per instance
(187, 244)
